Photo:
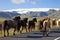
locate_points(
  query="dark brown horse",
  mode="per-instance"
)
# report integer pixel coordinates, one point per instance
(54, 22)
(31, 24)
(41, 24)
(8, 24)
(23, 24)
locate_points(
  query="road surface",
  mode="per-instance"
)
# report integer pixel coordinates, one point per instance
(34, 36)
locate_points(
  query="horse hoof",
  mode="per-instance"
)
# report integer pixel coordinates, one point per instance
(47, 35)
(43, 34)
(4, 35)
(14, 34)
(7, 35)
(20, 31)
(41, 31)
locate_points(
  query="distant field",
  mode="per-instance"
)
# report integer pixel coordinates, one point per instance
(1, 20)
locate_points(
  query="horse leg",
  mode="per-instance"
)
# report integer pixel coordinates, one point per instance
(31, 28)
(4, 30)
(21, 29)
(4, 33)
(26, 28)
(48, 32)
(44, 31)
(14, 31)
(41, 27)
(34, 27)
(7, 32)
(18, 29)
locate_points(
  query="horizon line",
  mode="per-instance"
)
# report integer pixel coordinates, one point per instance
(29, 9)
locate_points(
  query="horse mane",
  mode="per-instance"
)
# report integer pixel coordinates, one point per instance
(25, 19)
(16, 18)
(34, 19)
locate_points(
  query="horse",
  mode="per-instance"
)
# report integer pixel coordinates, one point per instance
(31, 24)
(54, 22)
(0, 28)
(41, 24)
(58, 22)
(10, 23)
(46, 26)
(23, 24)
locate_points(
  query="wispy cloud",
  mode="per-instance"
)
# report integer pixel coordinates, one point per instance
(33, 2)
(18, 1)
(23, 1)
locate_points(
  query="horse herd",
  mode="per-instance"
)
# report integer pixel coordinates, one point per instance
(16, 23)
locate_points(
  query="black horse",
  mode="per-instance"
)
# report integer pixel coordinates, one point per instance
(22, 23)
(31, 24)
(7, 24)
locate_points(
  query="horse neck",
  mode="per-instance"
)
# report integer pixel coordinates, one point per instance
(25, 21)
(34, 21)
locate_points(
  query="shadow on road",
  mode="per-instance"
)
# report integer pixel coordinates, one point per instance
(49, 32)
(37, 35)
(55, 32)
(28, 37)
(32, 36)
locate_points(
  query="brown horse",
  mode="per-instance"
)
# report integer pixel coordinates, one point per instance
(23, 24)
(8, 24)
(54, 22)
(31, 24)
(41, 24)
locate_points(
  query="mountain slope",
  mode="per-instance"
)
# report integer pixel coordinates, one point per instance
(8, 14)
(55, 15)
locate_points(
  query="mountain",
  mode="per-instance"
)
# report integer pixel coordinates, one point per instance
(43, 14)
(51, 12)
(8, 14)
(55, 15)
(37, 14)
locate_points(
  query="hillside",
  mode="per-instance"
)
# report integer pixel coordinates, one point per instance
(41, 13)
(51, 12)
(55, 15)
(8, 14)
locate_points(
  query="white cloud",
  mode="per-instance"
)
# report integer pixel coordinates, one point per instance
(18, 1)
(30, 9)
(23, 1)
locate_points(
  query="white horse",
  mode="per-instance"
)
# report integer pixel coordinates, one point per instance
(46, 27)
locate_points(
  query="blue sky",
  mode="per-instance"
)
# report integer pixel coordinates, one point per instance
(15, 4)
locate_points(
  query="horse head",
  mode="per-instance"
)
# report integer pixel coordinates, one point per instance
(26, 20)
(16, 18)
(34, 19)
